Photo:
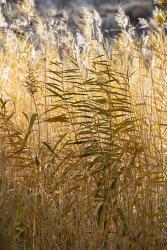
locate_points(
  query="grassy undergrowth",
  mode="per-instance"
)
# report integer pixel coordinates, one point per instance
(83, 139)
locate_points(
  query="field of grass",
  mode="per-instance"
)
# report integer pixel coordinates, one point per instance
(83, 137)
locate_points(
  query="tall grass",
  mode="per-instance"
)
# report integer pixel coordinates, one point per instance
(83, 137)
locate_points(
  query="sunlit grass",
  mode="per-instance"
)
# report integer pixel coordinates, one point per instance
(83, 138)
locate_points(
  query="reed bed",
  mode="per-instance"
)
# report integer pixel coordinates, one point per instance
(83, 138)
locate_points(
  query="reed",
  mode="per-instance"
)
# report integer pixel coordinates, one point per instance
(83, 137)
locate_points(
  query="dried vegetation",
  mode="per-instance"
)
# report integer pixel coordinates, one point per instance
(83, 135)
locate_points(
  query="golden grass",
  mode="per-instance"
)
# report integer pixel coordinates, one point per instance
(83, 143)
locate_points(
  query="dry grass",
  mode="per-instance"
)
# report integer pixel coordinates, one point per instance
(83, 138)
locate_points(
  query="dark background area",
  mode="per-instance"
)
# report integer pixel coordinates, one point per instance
(107, 9)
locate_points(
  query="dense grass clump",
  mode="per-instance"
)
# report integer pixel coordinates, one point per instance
(83, 138)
